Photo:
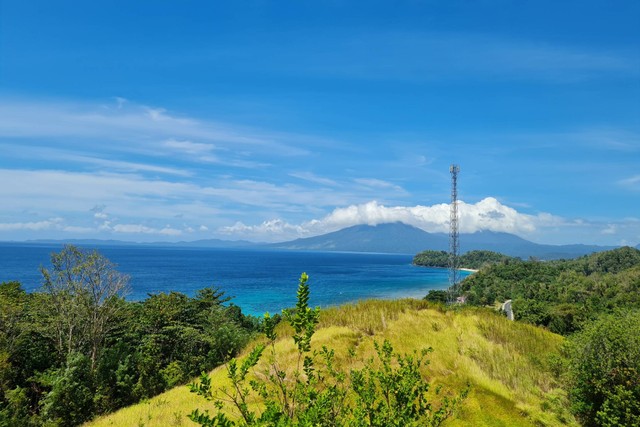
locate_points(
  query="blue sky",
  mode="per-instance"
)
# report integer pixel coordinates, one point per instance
(267, 121)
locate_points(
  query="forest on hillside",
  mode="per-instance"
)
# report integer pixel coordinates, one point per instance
(473, 259)
(560, 295)
(77, 348)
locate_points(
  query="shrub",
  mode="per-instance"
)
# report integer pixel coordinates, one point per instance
(604, 371)
(388, 391)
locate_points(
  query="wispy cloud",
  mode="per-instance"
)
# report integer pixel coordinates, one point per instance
(379, 183)
(143, 229)
(311, 177)
(134, 126)
(424, 56)
(632, 182)
(189, 147)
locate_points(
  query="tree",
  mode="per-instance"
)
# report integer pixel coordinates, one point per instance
(70, 401)
(605, 371)
(85, 292)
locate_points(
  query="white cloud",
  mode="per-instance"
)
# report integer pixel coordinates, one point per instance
(129, 125)
(52, 223)
(189, 147)
(272, 230)
(311, 177)
(487, 214)
(143, 229)
(631, 182)
(378, 183)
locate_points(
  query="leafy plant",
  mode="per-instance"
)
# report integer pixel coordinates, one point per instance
(387, 391)
(604, 371)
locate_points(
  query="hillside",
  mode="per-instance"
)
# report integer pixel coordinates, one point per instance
(473, 259)
(383, 238)
(561, 295)
(402, 238)
(507, 364)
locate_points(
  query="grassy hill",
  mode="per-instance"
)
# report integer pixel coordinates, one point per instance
(508, 364)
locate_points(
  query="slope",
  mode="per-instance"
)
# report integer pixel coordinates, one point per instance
(507, 364)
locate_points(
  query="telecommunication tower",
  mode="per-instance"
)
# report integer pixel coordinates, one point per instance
(454, 244)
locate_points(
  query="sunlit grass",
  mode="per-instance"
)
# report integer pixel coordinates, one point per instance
(506, 363)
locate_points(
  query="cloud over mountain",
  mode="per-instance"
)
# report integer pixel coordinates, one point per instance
(487, 214)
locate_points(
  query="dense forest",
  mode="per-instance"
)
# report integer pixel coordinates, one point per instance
(77, 348)
(560, 295)
(473, 259)
(595, 301)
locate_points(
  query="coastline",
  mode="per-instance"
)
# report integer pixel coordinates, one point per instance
(471, 270)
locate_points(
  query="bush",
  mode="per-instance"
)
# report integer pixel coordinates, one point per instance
(604, 371)
(386, 392)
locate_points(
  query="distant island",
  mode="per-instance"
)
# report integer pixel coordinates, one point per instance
(473, 260)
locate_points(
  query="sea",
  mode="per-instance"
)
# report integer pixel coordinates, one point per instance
(258, 281)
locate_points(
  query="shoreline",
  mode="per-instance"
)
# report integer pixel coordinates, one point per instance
(469, 269)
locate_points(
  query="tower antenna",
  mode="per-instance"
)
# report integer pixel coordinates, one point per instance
(454, 244)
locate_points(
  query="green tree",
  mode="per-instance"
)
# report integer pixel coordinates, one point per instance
(70, 401)
(85, 292)
(604, 372)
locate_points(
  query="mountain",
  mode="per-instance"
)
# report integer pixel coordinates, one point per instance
(402, 238)
(384, 238)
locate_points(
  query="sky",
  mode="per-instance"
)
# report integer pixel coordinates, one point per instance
(273, 120)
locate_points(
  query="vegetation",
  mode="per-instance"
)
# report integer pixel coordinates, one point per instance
(391, 392)
(474, 260)
(511, 367)
(596, 300)
(561, 295)
(604, 371)
(77, 348)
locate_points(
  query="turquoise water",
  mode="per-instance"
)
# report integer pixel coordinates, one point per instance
(258, 280)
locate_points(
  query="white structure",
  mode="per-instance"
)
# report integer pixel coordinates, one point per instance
(506, 307)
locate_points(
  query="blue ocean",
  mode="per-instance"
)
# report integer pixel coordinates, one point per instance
(257, 280)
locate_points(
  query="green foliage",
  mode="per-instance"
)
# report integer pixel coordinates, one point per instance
(432, 259)
(395, 394)
(560, 295)
(604, 371)
(473, 259)
(78, 349)
(389, 391)
(70, 401)
(84, 293)
(437, 296)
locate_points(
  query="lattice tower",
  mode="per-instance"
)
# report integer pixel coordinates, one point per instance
(454, 244)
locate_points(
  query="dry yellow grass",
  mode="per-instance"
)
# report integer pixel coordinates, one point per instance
(505, 363)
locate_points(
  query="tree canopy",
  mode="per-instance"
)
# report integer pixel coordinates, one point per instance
(77, 348)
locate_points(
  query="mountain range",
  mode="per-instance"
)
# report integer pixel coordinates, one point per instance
(383, 238)
(402, 238)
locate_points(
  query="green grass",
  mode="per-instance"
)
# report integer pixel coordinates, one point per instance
(506, 363)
